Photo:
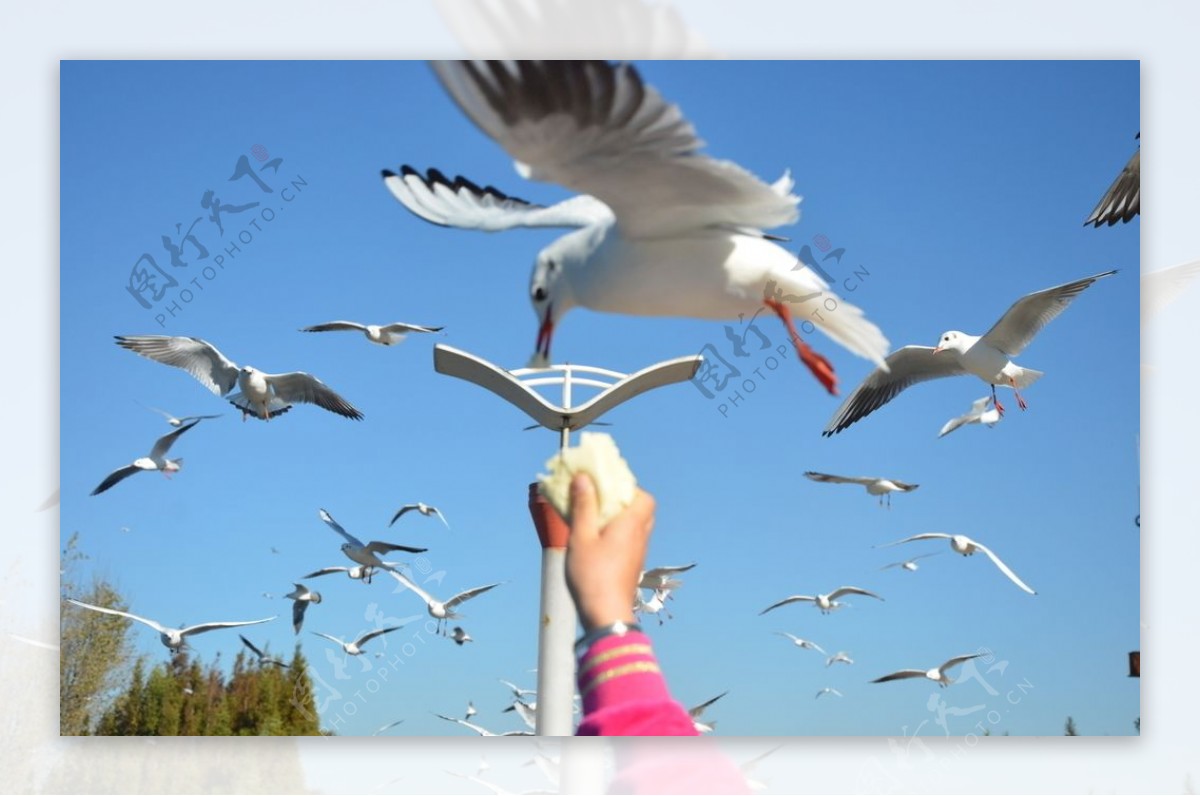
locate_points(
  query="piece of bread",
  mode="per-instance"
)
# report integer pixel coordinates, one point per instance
(597, 455)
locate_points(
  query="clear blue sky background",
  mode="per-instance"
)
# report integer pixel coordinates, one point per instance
(959, 186)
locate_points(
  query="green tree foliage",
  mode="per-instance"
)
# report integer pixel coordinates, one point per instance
(94, 647)
(183, 698)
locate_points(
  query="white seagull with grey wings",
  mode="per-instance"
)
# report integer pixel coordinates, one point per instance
(264, 395)
(389, 334)
(438, 609)
(824, 602)
(989, 357)
(966, 546)
(172, 638)
(660, 229)
(937, 675)
(157, 460)
(365, 554)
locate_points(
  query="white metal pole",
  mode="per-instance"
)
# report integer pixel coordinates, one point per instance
(556, 654)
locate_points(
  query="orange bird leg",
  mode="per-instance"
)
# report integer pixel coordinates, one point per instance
(996, 401)
(818, 365)
(1020, 400)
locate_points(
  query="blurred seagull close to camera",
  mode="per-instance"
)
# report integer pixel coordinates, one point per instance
(439, 610)
(172, 638)
(800, 642)
(1123, 199)
(365, 554)
(937, 675)
(966, 546)
(661, 229)
(156, 460)
(422, 509)
(698, 711)
(874, 486)
(988, 357)
(979, 413)
(303, 596)
(390, 334)
(356, 647)
(264, 395)
(824, 602)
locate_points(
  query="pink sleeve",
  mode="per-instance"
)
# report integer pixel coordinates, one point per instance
(624, 692)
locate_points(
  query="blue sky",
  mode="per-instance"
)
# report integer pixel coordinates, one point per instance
(956, 186)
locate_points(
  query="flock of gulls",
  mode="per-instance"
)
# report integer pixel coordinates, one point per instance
(656, 228)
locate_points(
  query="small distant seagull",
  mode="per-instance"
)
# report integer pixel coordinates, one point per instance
(937, 675)
(911, 564)
(439, 610)
(875, 486)
(964, 545)
(480, 730)
(157, 460)
(1123, 199)
(979, 413)
(459, 636)
(365, 554)
(172, 638)
(356, 647)
(303, 596)
(264, 395)
(655, 605)
(471, 711)
(800, 642)
(275, 550)
(263, 660)
(423, 509)
(178, 421)
(827, 690)
(188, 691)
(388, 726)
(659, 577)
(383, 335)
(696, 712)
(988, 357)
(825, 602)
(840, 657)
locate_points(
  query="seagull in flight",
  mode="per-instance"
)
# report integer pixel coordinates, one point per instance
(661, 577)
(825, 602)
(422, 509)
(264, 395)
(520, 693)
(527, 712)
(471, 711)
(480, 730)
(172, 638)
(911, 564)
(966, 546)
(840, 657)
(937, 675)
(460, 636)
(156, 460)
(390, 334)
(874, 486)
(359, 572)
(827, 690)
(365, 554)
(988, 357)
(701, 726)
(659, 228)
(388, 726)
(356, 647)
(263, 659)
(303, 596)
(655, 605)
(178, 421)
(800, 642)
(979, 413)
(1123, 199)
(439, 610)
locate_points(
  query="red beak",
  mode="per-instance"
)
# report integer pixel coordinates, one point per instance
(545, 332)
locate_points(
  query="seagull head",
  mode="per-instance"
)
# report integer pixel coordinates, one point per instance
(953, 341)
(550, 293)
